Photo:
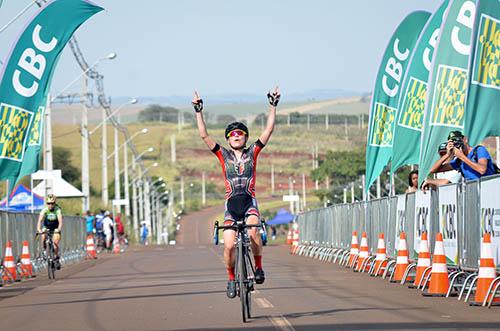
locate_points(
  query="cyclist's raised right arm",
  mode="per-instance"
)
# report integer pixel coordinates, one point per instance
(202, 128)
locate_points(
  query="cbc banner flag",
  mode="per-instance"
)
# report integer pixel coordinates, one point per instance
(410, 116)
(483, 98)
(387, 91)
(445, 105)
(25, 81)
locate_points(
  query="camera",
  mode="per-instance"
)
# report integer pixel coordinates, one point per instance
(458, 143)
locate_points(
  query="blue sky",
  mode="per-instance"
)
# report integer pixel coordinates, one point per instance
(223, 47)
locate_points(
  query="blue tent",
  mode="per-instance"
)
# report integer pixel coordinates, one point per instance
(282, 217)
(20, 200)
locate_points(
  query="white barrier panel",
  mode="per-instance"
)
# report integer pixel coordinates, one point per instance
(422, 220)
(448, 224)
(490, 214)
(400, 220)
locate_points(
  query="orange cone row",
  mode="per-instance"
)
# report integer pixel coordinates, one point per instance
(27, 267)
(424, 260)
(9, 264)
(401, 260)
(91, 252)
(363, 253)
(354, 248)
(381, 257)
(486, 273)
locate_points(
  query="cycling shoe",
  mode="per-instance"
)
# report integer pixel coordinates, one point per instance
(259, 276)
(231, 289)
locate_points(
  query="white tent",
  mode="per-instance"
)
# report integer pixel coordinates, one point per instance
(60, 187)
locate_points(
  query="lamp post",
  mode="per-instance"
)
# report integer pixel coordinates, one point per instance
(147, 202)
(137, 202)
(116, 154)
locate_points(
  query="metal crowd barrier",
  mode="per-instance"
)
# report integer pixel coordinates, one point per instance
(18, 227)
(462, 212)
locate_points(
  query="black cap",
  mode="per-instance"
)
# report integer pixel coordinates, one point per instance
(455, 135)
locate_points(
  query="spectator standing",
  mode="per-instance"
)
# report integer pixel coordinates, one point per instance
(144, 233)
(107, 228)
(412, 181)
(90, 218)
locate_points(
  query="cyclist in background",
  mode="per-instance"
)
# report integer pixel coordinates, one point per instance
(239, 165)
(51, 220)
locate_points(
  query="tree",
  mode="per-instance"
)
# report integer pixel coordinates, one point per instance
(225, 119)
(62, 160)
(154, 113)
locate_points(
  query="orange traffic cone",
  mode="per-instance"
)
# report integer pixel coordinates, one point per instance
(363, 253)
(354, 248)
(439, 284)
(91, 253)
(380, 258)
(486, 272)
(295, 238)
(8, 263)
(401, 260)
(424, 260)
(289, 237)
(26, 261)
(116, 247)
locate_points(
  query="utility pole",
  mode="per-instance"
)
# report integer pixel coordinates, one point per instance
(126, 181)
(327, 182)
(104, 159)
(85, 149)
(345, 195)
(117, 168)
(288, 120)
(363, 183)
(147, 204)
(308, 122)
(327, 121)
(393, 185)
(48, 147)
(135, 211)
(172, 148)
(290, 192)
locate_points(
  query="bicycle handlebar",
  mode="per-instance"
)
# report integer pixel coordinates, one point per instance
(235, 226)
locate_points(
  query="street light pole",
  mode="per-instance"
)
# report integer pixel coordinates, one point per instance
(117, 169)
(104, 160)
(85, 149)
(126, 184)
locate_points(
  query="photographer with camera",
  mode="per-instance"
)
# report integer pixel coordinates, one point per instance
(472, 163)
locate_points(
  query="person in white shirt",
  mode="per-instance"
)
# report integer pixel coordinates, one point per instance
(107, 227)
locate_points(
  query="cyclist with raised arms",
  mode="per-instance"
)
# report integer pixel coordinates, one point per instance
(51, 219)
(239, 165)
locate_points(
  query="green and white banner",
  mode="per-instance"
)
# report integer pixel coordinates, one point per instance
(25, 81)
(387, 91)
(445, 106)
(483, 97)
(412, 102)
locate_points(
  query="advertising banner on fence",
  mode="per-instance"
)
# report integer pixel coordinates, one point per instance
(412, 102)
(448, 224)
(490, 215)
(422, 220)
(483, 97)
(25, 81)
(387, 92)
(445, 105)
(400, 219)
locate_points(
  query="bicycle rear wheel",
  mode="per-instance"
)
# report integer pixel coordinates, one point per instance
(51, 267)
(242, 284)
(248, 290)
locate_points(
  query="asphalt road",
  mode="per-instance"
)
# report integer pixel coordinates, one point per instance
(183, 287)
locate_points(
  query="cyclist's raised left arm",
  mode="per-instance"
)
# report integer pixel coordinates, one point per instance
(274, 98)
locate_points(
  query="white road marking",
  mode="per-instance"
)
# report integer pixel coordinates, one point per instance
(263, 303)
(281, 323)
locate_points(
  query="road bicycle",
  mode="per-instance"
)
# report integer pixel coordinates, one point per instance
(244, 268)
(49, 253)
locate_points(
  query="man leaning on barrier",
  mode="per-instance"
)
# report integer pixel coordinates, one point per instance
(471, 162)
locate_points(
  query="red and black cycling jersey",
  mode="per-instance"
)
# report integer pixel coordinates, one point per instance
(239, 175)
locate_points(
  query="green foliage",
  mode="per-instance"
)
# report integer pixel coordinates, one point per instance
(225, 119)
(157, 113)
(62, 160)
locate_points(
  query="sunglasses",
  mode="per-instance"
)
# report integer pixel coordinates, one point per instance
(50, 203)
(235, 133)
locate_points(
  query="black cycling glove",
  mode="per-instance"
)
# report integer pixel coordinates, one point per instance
(198, 106)
(273, 98)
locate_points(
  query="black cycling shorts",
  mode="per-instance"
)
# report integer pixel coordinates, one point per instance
(238, 207)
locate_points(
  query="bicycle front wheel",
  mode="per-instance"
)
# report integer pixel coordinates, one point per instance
(242, 278)
(50, 262)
